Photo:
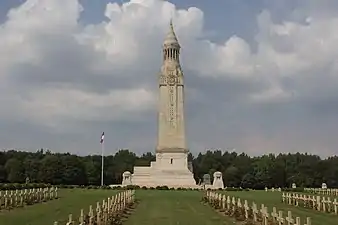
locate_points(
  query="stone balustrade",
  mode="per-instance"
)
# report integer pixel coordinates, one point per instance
(242, 211)
(108, 212)
(319, 203)
(19, 198)
(322, 191)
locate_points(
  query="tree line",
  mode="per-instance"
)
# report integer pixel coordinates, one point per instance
(239, 170)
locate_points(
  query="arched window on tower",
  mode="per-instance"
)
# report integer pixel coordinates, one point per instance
(171, 161)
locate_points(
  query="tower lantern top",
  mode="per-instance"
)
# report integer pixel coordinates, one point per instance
(171, 39)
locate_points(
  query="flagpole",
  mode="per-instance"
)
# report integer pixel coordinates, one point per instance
(102, 162)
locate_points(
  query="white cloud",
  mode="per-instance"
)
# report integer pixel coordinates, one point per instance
(55, 69)
(39, 35)
(89, 106)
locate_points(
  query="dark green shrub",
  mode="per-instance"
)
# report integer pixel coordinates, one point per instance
(130, 187)
(17, 186)
(298, 189)
(233, 189)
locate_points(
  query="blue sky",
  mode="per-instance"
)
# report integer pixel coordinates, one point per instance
(261, 76)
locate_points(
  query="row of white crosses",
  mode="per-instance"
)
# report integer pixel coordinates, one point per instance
(273, 189)
(321, 191)
(19, 198)
(227, 203)
(106, 212)
(319, 203)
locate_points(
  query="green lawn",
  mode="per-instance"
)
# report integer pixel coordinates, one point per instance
(155, 207)
(71, 201)
(174, 208)
(274, 199)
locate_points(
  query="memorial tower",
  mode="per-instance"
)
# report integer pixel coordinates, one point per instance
(171, 167)
(171, 127)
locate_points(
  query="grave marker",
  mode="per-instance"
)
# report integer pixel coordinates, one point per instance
(289, 218)
(280, 218)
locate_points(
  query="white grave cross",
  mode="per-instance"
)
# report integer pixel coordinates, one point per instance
(274, 214)
(254, 211)
(246, 209)
(335, 206)
(280, 218)
(265, 214)
(289, 218)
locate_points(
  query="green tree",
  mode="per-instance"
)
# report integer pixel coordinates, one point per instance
(3, 174)
(231, 177)
(238, 169)
(51, 169)
(73, 170)
(92, 170)
(31, 167)
(15, 171)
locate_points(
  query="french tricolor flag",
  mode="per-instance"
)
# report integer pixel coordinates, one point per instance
(102, 138)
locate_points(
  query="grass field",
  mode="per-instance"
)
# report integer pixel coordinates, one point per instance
(174, 208)
(155, 207)
(70, 202)
(273, 199)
